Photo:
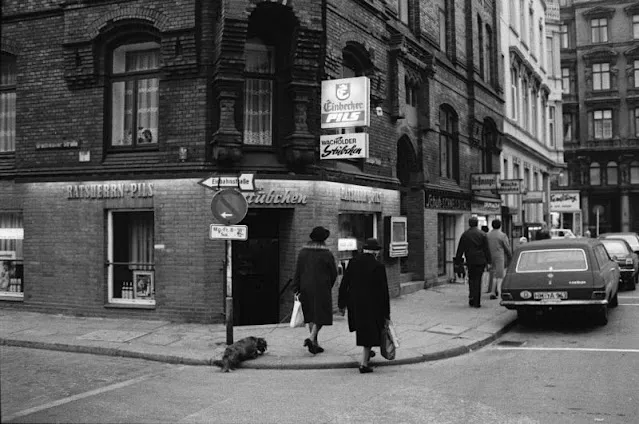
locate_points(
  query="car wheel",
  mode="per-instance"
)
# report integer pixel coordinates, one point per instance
(614, 301)
(601, 315)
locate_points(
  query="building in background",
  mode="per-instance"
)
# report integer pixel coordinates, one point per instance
(600, 70)
(532, 150)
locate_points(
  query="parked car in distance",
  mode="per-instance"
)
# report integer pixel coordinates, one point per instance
(628, 261)
(572, 273)
(631, 237)
(561, 233)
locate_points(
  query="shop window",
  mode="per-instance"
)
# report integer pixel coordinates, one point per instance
(595, 174)
(448, 145)
(612, 173)
(7, 103)
(259, 93)
(354, 229)
(599, 30)
(11, 256)
(135, 96)
(131, 266)
(445, 244)
(634, 172)
(601, 76)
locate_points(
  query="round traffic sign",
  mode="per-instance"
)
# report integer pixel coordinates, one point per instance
(229, 206)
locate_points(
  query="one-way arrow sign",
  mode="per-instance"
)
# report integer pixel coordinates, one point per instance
(245, 182)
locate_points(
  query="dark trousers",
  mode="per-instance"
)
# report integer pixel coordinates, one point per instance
(475, 273)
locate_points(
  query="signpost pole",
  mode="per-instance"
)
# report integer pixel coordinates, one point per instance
(229, 293)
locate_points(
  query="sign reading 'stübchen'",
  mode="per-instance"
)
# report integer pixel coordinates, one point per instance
(346, 103)
(344, 146)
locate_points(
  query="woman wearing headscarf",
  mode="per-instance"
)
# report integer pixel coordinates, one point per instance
(315, 275)
(364, 292)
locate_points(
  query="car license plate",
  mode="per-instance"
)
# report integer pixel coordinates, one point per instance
(551, 296)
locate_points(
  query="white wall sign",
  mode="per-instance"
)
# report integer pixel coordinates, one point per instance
(346, 244)
(344, 146)
(510, 186)
(479, 182)
(564, 201)
(346, 103)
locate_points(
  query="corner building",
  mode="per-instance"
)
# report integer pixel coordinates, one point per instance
(112, 113)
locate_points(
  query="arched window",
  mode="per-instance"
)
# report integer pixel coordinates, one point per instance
(259, 81)
(135, 83)
(448, 149)
(612, 173)
(7, 103)
(634, 172)
(595, 174)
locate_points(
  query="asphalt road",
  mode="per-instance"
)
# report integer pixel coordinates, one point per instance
(574, 372)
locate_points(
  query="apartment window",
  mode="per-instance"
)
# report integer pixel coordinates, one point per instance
(131, 265)
(635, 26)
(525, 98)
(403, 11)
(514, 94)
(602, 124)
(567, 127)
(636, 121)
(531, 30)
(11, 256)
(513, 13)
(601, 76)
(595, 174)
(599, 30)
(612, 173)
(135, 95)
(446, 28)
(544, 120)
(7, 103)
(527, 181)
(634, 172)
(448, 160)
(635, 73)
(533, 112)
(551, 126)
(480, 43)
(490, 54)
(565, 80)
(411, 93)
(259, 71)
(550, 63)
(522, 20)
(563, 36)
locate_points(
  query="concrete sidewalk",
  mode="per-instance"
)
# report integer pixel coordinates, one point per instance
(432, 324)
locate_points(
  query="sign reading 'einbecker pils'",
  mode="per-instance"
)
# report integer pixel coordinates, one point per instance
(344, 146)
(345, 103)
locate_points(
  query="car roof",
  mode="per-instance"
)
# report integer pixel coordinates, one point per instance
(620, 233)
(560, 243)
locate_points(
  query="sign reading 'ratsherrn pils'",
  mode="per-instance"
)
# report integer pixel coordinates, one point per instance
(344, 146)
(346, 103)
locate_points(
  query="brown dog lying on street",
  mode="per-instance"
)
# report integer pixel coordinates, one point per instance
(241, 350)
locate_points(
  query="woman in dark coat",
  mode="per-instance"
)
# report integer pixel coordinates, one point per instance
(314, 278)
(364, 292)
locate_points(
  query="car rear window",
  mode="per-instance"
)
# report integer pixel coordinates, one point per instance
(632, 240)
(615, 247)
(552, 259)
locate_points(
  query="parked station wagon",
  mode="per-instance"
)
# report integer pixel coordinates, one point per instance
(575, 273)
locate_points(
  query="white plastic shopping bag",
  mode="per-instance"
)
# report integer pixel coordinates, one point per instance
(297, 317)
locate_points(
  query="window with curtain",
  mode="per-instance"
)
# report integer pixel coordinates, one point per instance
(7, 103)
(602, 122)
(595, 174)
(135, 95)
(601, 76)
(447, 143)
(565, 80)
(259, 92)
(567, 127)
(131, 262)
(11, 254)
(599, 30)
(612, 173)
(634, 172)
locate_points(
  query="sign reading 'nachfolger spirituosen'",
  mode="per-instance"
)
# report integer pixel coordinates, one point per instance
(344, 146)
(345, 103)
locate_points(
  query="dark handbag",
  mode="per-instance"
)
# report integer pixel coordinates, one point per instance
(387, 345)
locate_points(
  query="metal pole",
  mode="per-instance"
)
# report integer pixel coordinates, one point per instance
(597, 222)
(229, 293)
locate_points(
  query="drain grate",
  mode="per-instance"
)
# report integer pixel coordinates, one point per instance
(510, 343)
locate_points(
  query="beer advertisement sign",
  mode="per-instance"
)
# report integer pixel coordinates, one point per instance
(344, 146)
(346, 103)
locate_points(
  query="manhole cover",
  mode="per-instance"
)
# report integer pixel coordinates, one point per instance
(510, 343)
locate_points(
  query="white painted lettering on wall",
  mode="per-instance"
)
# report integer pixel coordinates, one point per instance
(109, 191)
(360, 196)
(275, 197)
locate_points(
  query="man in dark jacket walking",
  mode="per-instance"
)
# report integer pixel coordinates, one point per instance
(473, 245)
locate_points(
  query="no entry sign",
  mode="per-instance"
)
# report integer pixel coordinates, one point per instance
(229, 206)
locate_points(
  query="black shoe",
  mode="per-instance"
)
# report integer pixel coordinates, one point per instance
(319, 349)
(477, 306)
(310, 346)
(365, 369)
(493, 296)
(372, 355)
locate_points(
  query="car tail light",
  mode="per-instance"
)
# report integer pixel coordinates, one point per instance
(598, 295)
(628, 261)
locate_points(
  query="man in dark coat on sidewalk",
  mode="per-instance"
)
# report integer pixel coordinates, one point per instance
(364, 291)
(473, 245)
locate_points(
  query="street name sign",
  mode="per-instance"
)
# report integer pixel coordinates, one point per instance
(244, 182)
(229, 206)
(228, 232)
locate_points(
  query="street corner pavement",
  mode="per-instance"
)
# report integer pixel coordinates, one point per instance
(431, 324)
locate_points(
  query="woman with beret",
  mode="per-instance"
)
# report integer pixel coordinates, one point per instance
(364, 292)
(315, 275)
